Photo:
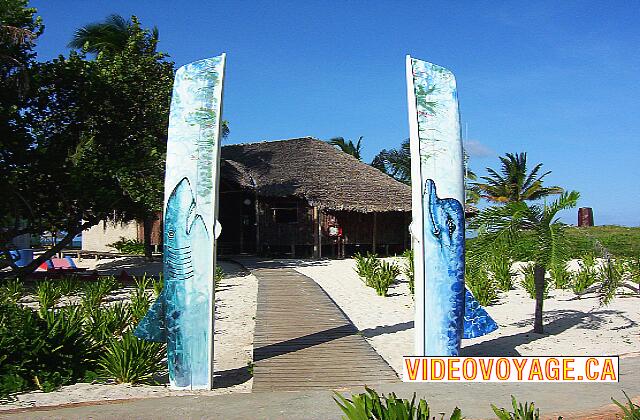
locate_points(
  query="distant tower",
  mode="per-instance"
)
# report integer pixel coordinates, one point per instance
(585, 216)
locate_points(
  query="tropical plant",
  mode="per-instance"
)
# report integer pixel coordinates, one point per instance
(560, 275)
(505, 225)
(520, 412)
(515, 184)
(528, 281)
(630, 411)
(349, 147)
(383, 277)
(407, 269)
(102, 324)
(140, 301)
(131, 360)
(95, 291)
(395, 162)
(587, 276)
(366, 266)
(482, 286)
(370, 405)
(499, 264)
(11, 291)
(157, 284)
(48, 295)
(128, 246)
(219, 275)
(611, 278)
(69, 285)
(110, 36)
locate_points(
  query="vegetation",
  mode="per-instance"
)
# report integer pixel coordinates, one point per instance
(376, 273)
(520, 412)
(218, 275)
(503, 226)
(481, 285)
(47, 348)
(630, 411)
(349, 147)
(370, 405)
(515, 184)
(587, 276)
(407, 269)
(528, 281)
(128, 246)
(500, 267)
(395, 162)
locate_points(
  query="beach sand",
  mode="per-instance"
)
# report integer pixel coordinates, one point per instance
(573, 327)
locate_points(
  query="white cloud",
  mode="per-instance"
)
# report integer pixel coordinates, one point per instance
(476, 149)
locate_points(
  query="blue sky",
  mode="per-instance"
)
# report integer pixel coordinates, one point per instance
(559, 80)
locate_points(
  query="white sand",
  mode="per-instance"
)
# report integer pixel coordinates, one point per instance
(233, 348)
(573, 326)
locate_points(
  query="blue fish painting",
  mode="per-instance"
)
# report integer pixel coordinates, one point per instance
(445, 311)
(183, 314)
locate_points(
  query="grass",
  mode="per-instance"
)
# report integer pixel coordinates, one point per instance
(620, 241)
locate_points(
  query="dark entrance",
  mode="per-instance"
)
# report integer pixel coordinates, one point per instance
(237, 215)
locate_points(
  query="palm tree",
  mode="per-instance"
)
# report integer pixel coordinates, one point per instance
(505, 225)
(348, 146)
(111, 35)
(514, 184)
(395, 162)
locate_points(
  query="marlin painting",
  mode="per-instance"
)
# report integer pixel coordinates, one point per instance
(183, 314)
(445, 311)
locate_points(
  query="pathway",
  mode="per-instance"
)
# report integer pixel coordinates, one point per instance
(304, 341)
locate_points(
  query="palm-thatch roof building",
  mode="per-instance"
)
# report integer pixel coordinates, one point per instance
(298, 197)
(303, 197)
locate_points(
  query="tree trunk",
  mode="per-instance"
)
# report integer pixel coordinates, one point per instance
(147, 226)
(539, 282)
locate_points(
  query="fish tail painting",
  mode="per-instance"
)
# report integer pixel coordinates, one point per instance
(445, 311)
(182, 316)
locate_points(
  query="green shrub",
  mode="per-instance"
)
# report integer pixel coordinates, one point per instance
(520, 412)
(481, 285)
(219, 275)
(102, 324)
(561, 277)
(631, 411)
(366, 267)
(140, 301)
(128, 246)
(370, 405)
(528, 282)
(96, 291)
(130, 360)
(11, 291)
(383, 277)
(633, 268)
(500, 266)
(158, 284)
(587, 276)
(48, 295)
(69, 285)
(611, 277)
(42, 351)
(407, 269)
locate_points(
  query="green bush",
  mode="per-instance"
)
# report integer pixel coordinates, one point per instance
(11, 291)
(587, 276)
(631, 411)
(102, 324)
(48, 295)
(96, 291)
(366, 267)
(500, 267)
(131, 360)
(520, 412)
(128, 246)
(219, 275)
(370, 405)
(383, 277)
(69, 285)
(140, 301)
(42, 351)
(611, 277)
(481, 285)
(407, 269)
(528, 282)
(561, 277)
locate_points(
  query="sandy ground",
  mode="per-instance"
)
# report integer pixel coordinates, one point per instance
(574, 326)
(233, 347)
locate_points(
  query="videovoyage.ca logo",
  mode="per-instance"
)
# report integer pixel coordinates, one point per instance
(510, 369)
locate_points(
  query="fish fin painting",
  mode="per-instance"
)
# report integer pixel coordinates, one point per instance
(183, 314)
(445, 311)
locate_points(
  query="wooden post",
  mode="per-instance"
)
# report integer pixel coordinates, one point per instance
(257, 225)
(319, 234)
(316, 233)
(375, 228)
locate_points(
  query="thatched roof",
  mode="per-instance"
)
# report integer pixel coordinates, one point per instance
(315, 171)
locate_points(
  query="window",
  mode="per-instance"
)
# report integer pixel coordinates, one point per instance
(285, 215)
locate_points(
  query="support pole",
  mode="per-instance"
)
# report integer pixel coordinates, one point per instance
(375, 228)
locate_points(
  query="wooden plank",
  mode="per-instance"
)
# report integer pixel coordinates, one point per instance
(303, 340)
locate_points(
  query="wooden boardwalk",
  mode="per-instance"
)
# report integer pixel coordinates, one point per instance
(304, 341)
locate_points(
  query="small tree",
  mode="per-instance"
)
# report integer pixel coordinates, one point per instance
(506, 225)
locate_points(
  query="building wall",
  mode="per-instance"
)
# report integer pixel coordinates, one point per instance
(99, 236)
